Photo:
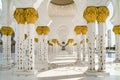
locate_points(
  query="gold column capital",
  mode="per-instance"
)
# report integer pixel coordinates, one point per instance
(39, 30)
(90, 14)
(7, 30)
(84, 30)
(67, 44)
(50, 44)
(54, 41)
(10, 31)
(59, 44)
(77, 29)
(31, 15)
(102, 14)
(116, 29)
(43, 30)
(19, 15)
(70, 40)
(4, 30)
(75, 44)
(46, 30)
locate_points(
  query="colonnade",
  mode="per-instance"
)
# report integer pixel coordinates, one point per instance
(99, 14)
(27, 17)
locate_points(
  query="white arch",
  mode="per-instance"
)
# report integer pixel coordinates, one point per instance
(63, 32)
(67, 10)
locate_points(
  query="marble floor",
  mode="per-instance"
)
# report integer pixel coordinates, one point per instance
(72, 72)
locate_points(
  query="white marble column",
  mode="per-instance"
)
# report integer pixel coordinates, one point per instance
(50, 52)
(46, 51)
(84, 32)
(90, 15)
(118, 48)
(36, 52)
(74, 47)
(40, 53)
(19, 16)
(116, 30)
(101, 46)
(31, 16)
(71, 48)
(9, 49)
(70, 45)
(25, 45)
(78, 40)
(55, 47)
(79, 49)
(84, 47)
(43, 47)
(30, 55)
(41, 50)
(91, 47)
(6, 55)
(102, 14)
(20, 44)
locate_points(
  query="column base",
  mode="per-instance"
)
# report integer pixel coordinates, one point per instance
(116, 61)
(81, 63)
(25, 73)
(90, 73)
(52, 66)
(51, 58)
(30, 75)
(96, 73)
(43, 67)
(6, 66)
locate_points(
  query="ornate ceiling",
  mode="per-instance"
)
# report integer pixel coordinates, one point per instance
(62, 2)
